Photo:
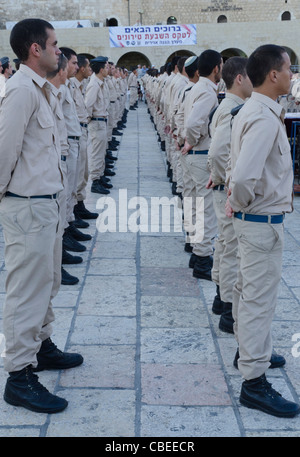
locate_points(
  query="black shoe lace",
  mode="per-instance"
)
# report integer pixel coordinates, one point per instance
(33, 383)
(269, 389)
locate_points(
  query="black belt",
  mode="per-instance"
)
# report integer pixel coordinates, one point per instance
(83, 124)
(112, 102)
(275, 219)
(197, 152)
(10, 194)
(99, 119)
(219, 187)
(74, 138)
(63, 158)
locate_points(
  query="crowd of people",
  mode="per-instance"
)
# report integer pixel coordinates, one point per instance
(228, 160)
(60, 118)
(221, 125)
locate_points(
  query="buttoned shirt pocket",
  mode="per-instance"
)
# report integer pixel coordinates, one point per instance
(46, 124)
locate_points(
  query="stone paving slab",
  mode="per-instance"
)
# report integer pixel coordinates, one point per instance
(155, 362)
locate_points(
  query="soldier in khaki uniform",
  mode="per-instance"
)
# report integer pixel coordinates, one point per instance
(58, 78)
(260, 194)
(224, 269)
(133, 88)
(97, 104)
(31, 178)
(200, 102)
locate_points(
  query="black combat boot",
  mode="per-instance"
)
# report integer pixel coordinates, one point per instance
(226, 319)
(67, 279)
(217, 306)
(202, 267)
(24, 389)
(50, 357)
(98, 188)
(82, 212)
(77, 234)
(276, 360)
(258, 394)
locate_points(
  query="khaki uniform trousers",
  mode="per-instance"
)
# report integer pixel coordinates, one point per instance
(255, 293)
(98, 134)
(72, 163)
(62, 199)
(110, 120)
(133, 95)
(83, 169)
(33, 249)
(224, 271)
(204, 215)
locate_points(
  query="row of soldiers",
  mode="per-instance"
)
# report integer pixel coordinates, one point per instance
(60, 115)
(91, 114)
(89, 101)
(222, 129)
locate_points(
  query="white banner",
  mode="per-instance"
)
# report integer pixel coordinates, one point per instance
(152, 35)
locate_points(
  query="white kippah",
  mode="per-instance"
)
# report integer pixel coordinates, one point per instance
(190, 60)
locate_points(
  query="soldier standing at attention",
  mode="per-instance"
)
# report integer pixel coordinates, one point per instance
(83, 74)
(224, 271)
(200, 102)
(133, 88)
(31, 178)
(97, 103)
(260, 193)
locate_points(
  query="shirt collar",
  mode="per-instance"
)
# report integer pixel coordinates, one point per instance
(236, 98)
(271, 104)
(209, 83)
(33, 75)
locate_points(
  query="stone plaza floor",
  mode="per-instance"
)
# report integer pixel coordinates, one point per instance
(155, 362)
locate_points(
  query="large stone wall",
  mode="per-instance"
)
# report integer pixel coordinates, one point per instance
(238, 37)
(157, 11)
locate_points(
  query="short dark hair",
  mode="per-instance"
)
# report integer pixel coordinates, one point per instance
(232, 67)
(82, 61)
(174, 62)
(96, 66)
(207, 61)
(27, 32)
(180, 63)
(68, 52)
(192, 68)
(264, 59)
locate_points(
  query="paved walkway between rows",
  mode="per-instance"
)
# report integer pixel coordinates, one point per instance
(155, 362)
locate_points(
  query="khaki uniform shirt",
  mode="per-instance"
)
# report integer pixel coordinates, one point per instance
(179, 115)
(78, 98)
(132, 81)
(30, 152)
(111, 87)
(261, 163)
(56, 105)
(97, 98)
(200, 102)
(69, 109)
(220, 129)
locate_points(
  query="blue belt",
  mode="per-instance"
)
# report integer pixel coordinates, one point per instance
(99, 119)
(197, 152)
(219, 187)
(77, 138)
(10, 194)
(83, 124)
(63, 158)
(276, 219)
